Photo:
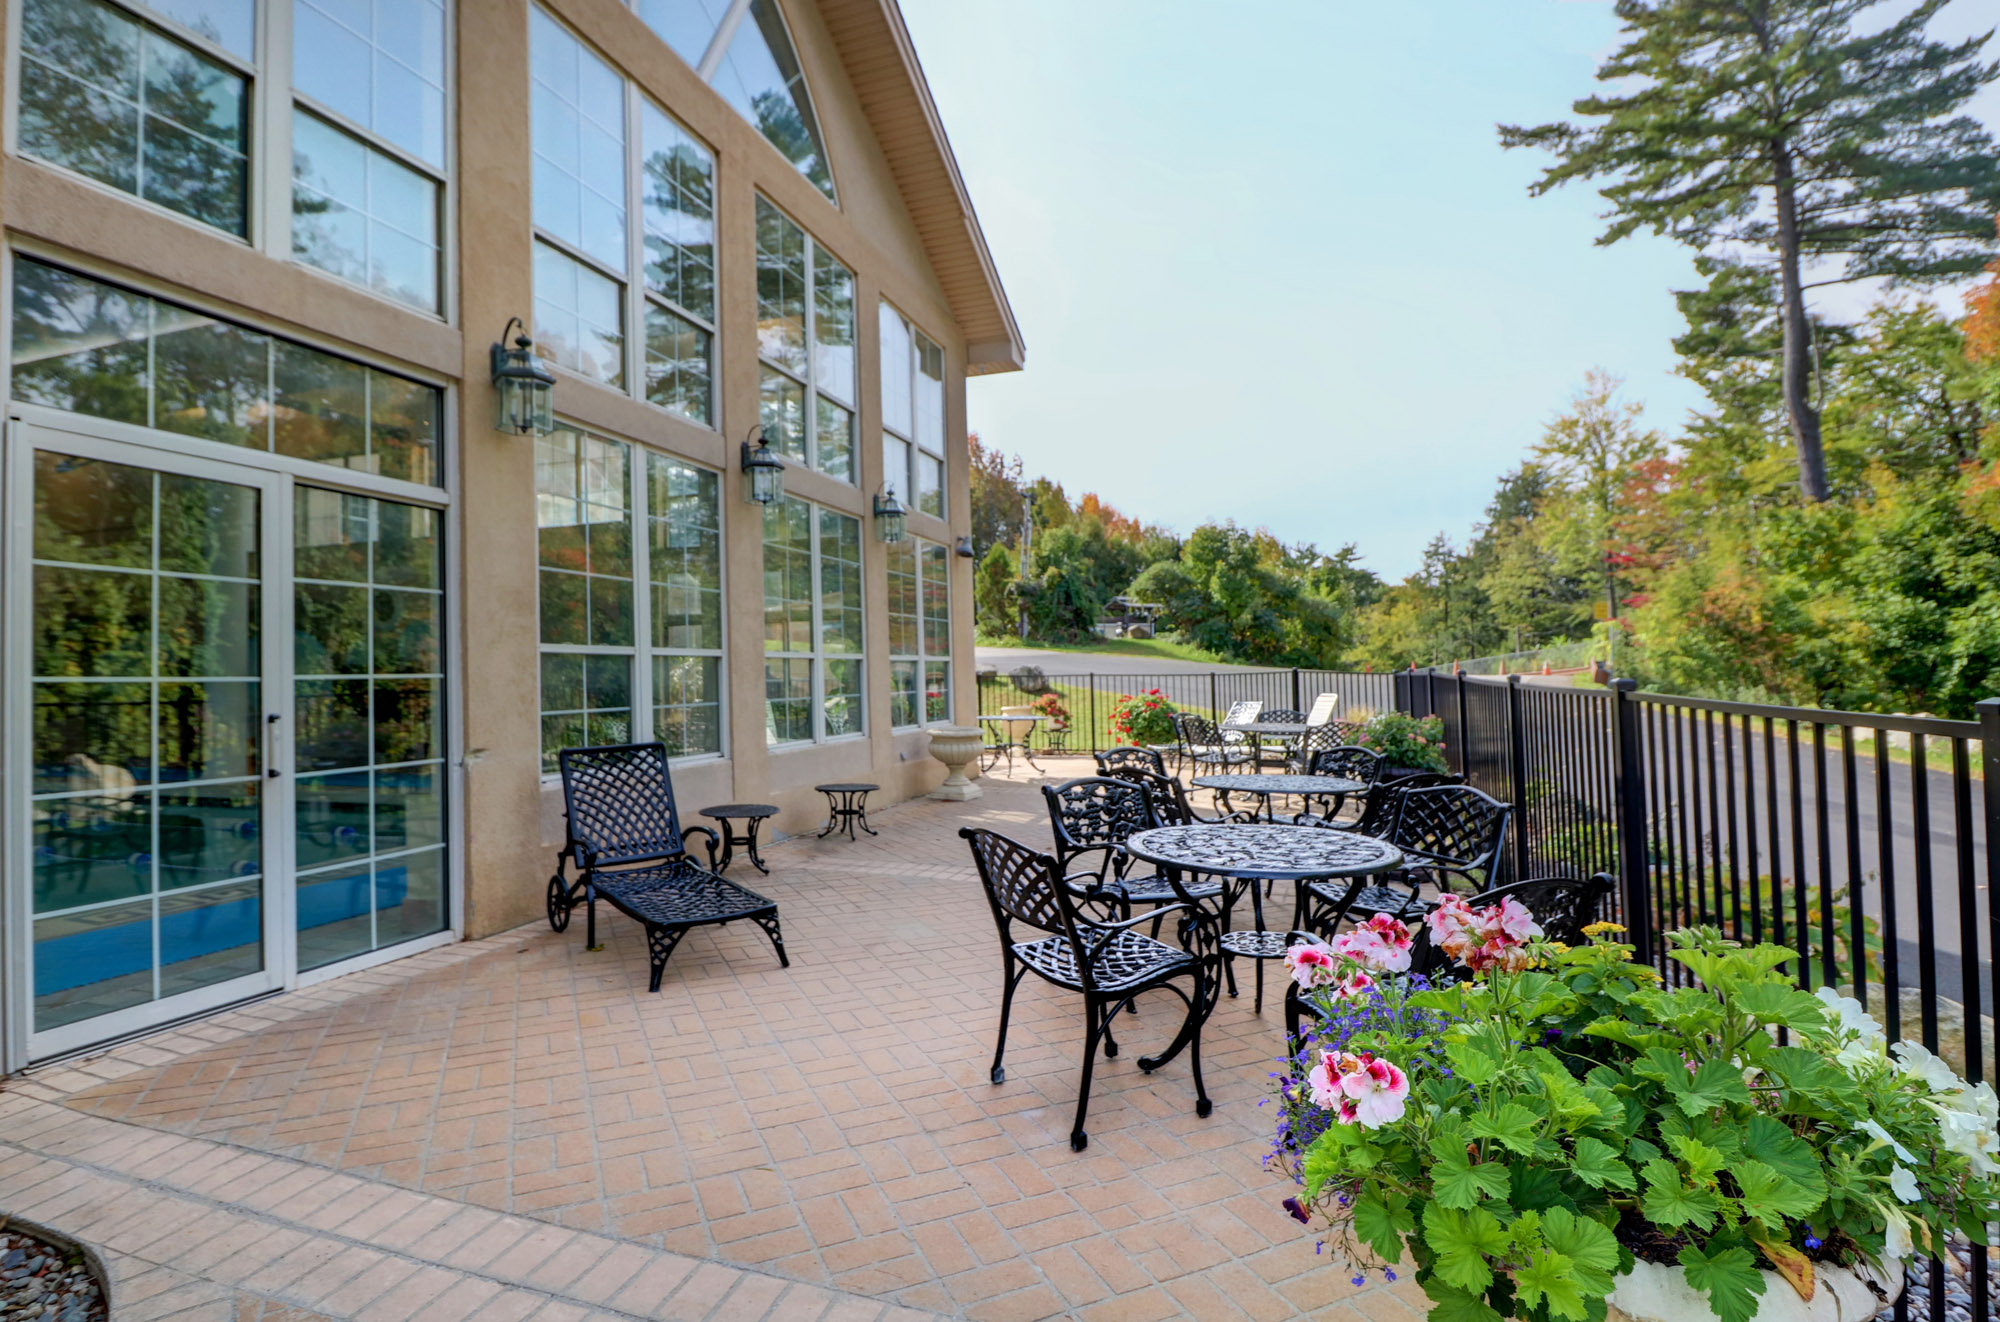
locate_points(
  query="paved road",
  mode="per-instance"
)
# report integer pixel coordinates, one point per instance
(1004, 659)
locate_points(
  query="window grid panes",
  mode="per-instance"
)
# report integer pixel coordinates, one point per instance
(619, 663)
(919, 633)
(368, 624)
(368, 144)
(813, 632)
(805, 337)
(122, 102)
(97, 349)
(912, 413)
(624, 207)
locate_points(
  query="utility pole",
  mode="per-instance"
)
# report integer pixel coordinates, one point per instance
(1610, 614)
(1021, 576)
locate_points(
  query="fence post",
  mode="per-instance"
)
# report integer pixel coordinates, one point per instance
(1093, 714)
(1296, 704)
(1399, 690)
(1214, 712)
(1628, 792)
(1989, 757)
(1430, 690)
(1517, 771)
(1464, 735)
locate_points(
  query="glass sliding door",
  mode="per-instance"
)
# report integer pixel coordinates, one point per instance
(149, 641)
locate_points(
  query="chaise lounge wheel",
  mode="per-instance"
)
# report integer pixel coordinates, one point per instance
(558, 903)
(1204, 1108)
(1079, 1141)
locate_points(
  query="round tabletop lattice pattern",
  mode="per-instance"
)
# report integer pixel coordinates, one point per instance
(1264, 850)
(724, 810)
(1280, 784)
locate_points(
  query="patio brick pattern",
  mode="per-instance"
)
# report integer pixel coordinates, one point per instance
(519, 1129)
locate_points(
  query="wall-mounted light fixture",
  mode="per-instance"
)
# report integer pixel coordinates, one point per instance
(763, 471)
(523, 386)
(890, 518)
(964, 548)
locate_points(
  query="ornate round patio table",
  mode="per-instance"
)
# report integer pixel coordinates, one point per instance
(1250, 852)
(1306, 787)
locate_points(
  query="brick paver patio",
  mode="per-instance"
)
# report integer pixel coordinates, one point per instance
(514, 1127)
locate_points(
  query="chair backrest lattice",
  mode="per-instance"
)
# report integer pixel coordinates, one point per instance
(1323, 709)
(1166, 800)
(1095, 812)
(1242, 712)
(1349, 762)
(1563, 906)
(1457, 827)
(1114, 760)
(619, 799)
(1025, 885)
(1378, 814)
(1196, 732)
(1283, 715)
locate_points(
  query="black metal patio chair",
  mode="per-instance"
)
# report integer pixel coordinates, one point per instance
(625, 837)
(1323, 735)
(1109, 963)
(1091, 818)
(1348, 762)
(1113, 760)
(1168, 800)
(1448, 834)
(1202, 746)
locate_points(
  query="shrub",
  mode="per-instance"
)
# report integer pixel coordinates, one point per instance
(1143, 719)
(1405, 741)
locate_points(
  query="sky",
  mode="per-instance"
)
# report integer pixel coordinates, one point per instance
(1271, 264)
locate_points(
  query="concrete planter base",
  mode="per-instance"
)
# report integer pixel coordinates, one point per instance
(956, 746)
(1656, 1293)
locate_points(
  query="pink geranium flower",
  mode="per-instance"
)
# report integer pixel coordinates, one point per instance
(1312, 964)
(1495, 937)
(1361, 1089)
(1382, 944)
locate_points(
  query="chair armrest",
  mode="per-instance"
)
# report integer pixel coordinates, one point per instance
(713, 841)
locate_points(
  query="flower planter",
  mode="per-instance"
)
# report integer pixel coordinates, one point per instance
(1656, 1293)
(956, 746)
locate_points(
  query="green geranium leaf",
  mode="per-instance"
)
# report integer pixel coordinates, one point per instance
(1512, 1126)
(1548, 1278)
(1471, 1064)
(1462, 1240)
(1325, 1160)
(1770, 1197)
(1632, 1035)
(1782, 1003)
(1703, 1162)
(1590, 1246)
(1381, 1221)
(1728, 1276)
(1451, 1304)
(1716, 1083)
(1806, 1071)
(1535, 1187)
(1670, 1203)
(1456, 1182)
(1597, 1165)
(1786, 1153)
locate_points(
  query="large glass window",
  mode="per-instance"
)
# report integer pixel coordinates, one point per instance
(611, 652)
(138, 108)
(912, 413)
(97, 349)
(745, 51)
(368, 625)
(919, 633)
(605, 156)
(805, 337)
(812, 623)
(368, 143)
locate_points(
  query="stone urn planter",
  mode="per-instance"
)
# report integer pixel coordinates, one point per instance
(1652, 1292)
(956, 746)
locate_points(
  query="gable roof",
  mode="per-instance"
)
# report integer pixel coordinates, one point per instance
(881, 63)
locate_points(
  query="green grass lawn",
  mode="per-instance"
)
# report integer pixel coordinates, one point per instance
(1159, 648)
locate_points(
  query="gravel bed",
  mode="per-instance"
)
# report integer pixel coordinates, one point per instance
(1957, 1288)
(38, 1280)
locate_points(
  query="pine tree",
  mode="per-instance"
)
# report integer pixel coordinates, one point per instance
(1774, 127)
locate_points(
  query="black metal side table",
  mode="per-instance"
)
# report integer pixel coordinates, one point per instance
(754, 814)
(846, 807)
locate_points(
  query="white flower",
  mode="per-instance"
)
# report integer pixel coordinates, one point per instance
(1921, 1065)
(1896, 1242)
(1904, 1185)
(1881, 1135)
(1969, 1134)
(1853, 1019)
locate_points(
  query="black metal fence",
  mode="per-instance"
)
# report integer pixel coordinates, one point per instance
(1090, 698)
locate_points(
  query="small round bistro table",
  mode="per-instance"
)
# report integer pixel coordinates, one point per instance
(722, 814)
(1260, 730)
(846, 805)
(1262, 851)
(1265, 787)
(1006, 742)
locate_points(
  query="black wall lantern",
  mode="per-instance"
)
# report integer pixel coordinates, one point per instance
(890, 518)
(523, 386)
(763, 471)
(964, 549)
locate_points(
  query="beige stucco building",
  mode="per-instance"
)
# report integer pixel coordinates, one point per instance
(293, 630)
